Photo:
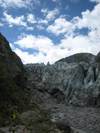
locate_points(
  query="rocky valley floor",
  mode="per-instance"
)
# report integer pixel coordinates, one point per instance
(86, 119)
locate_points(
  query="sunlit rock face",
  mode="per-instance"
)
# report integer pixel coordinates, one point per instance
(69, 90)
(75, 78)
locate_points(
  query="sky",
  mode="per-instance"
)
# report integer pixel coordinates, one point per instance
(42, 31)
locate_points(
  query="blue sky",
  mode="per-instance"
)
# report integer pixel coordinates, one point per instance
(48, 30)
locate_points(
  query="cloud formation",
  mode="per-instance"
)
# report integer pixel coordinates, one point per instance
(29, 58)
(98, 1)
(60, 25)
(28, 21)
(70, 43)
(11, 21)
(1, 24)
(31, 19)
(41, 32)
(50, 14)
(41, 43)
(17, 3)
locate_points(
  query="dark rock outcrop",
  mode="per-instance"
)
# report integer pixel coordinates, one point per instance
(12, 81)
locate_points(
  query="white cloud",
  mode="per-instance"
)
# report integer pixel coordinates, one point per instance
(79, 44)
(30, 28)
(91, 20)
(11, 21)
(50, 52)
(29, 58)
(40, 27)
(11, 3)
(47, 50)
(18, 3)
(1, 24)
(69, 45)
(27, 21)
(42, 21)
(44, 11)
(95, 1)
(61, 25)
(50, 15)
(31, 19)
(41, 43)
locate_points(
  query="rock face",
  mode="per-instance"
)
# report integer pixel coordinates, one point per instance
(76, 58)
(11, 79)
(73, 81)
(70, 85)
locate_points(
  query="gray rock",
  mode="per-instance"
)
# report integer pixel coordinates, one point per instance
(69, 90)
(74, 77)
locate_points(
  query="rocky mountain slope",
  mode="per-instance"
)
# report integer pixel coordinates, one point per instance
(17, 114)
(74, 80)
(69, 90)
(60, 98)
(11, 78)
